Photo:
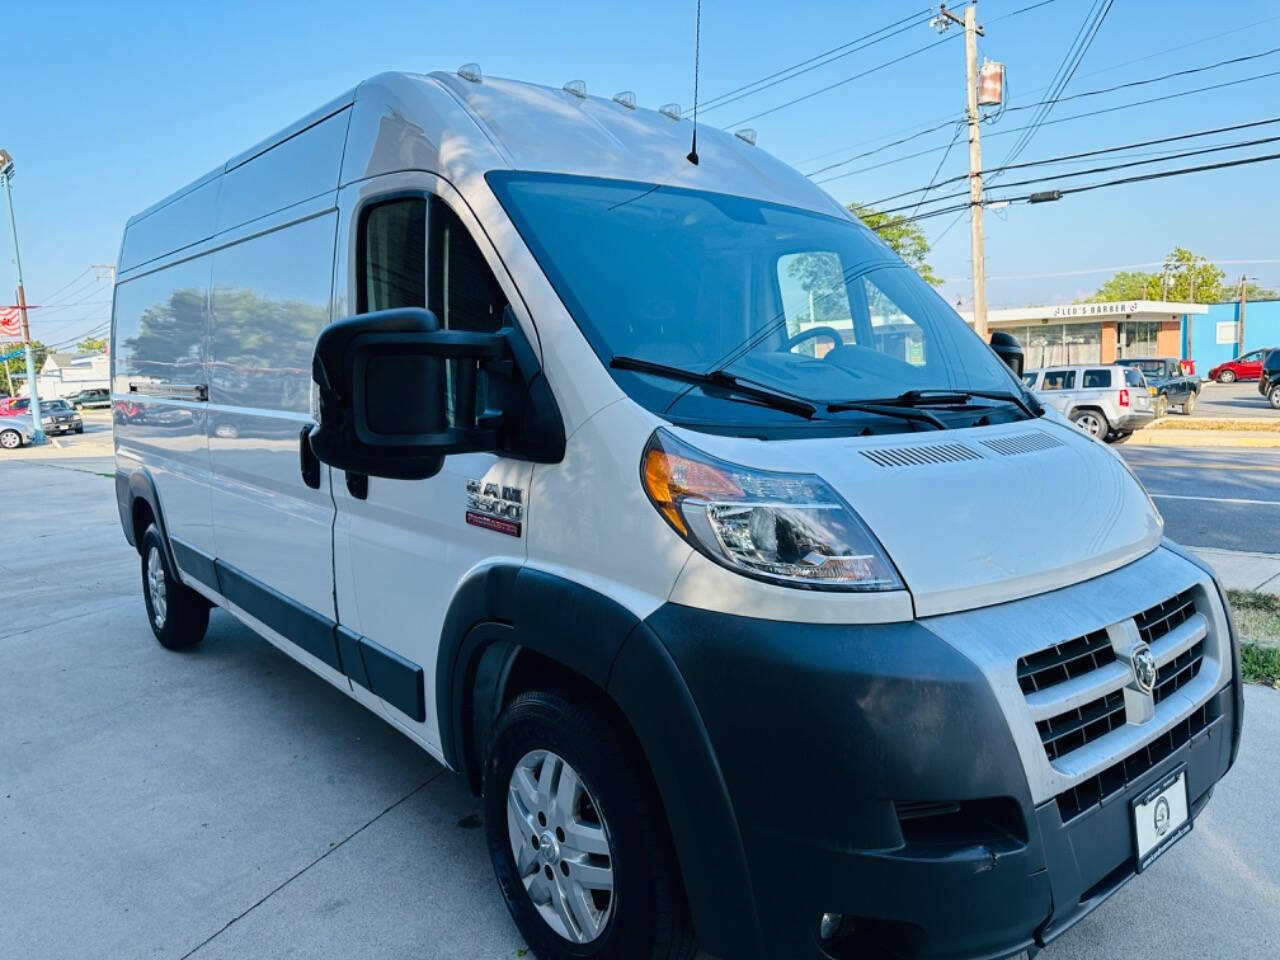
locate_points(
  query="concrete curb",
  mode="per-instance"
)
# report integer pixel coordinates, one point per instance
(1243, 570)
(1173, 437)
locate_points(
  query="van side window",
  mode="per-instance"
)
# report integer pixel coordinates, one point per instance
(461, 289)
(1097, 379)
(393, 255)
(1059, 380)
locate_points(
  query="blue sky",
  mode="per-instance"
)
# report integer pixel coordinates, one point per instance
(109, 107)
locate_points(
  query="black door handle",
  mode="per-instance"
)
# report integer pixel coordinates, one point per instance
(307, 460)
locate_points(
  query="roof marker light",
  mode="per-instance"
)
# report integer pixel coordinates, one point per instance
(470, 71)
(627, 98)
(747, 135)
(671, 110)
(577, 87)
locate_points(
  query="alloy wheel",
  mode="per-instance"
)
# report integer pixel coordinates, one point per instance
(10, 440)
(156, 587)
(1090, 424)
(561, 846)
(1226, 376)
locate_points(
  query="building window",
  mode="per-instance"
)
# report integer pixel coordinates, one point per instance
(1137, 338)
(1059, 344)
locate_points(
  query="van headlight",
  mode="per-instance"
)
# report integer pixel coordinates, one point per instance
(787, 528)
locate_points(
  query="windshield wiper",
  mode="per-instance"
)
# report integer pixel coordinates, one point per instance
(887, 409)
(919, 398)
(720, 379)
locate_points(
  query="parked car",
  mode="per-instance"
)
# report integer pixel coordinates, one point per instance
(15, 431)
(6, 409)
(1269, 379)
(1247, 367)
(98, 399)
(743, 648)
(1169, 383)
(56, 416)
(1107, 402)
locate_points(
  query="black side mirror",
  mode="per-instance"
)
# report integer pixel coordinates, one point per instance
(1009, 350)
(398, 394)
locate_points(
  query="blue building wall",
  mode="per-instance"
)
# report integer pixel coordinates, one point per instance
(1261, 329)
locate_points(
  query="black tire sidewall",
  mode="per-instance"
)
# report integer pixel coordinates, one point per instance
(186, 613)
(1104, 425)
(590, 739)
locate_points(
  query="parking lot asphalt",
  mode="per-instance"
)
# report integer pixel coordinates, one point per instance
(1231, 400)
(226, 803)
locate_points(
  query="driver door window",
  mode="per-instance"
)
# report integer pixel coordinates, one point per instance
(814, 294)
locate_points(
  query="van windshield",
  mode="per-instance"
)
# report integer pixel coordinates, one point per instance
(806, 304)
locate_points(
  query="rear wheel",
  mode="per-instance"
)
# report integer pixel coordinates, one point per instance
(179, 616)
(1274, 397)
(1227, 376)
(1092, 422)
(10, 439)
(79, 429)
(578, 837)
(1162, 406)
(1189, 404)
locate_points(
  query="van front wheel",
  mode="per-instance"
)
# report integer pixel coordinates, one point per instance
(178, 615)
(578, 837)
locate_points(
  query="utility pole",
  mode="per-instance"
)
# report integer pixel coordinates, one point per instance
(6, 174)
(977, 240)
(1244, 300)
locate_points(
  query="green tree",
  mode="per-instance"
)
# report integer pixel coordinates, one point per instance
(17, 364)
(92, 344)
(1254, 292)
(1186, 278)
(905, 238)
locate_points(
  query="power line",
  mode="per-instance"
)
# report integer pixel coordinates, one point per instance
(841, 83)
(1085, 188)
(1074, 116)
(938, 169)
(1075, 59)
(731, 96)
(868, 153)
(1092, 153)
(65, 285)
(1093, 73)
(1200, 151)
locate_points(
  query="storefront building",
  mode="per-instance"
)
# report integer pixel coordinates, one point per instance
(1096, 332)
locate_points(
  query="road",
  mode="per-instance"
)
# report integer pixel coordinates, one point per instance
(225, 802)
(1213, 497)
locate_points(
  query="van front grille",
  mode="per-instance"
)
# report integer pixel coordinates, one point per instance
(1072, 730)
(1060, 663)
(1094, 790)
(1165, 617)
(1179, 672)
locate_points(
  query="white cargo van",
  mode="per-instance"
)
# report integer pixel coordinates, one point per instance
(662, 502)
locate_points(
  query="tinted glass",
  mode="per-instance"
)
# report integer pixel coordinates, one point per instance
(1059, 380)
(803, 302)
(393, 267)
(461, 290)
(1097, 379)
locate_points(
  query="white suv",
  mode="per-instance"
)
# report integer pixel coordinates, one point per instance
(1107, 402)
(675, 513)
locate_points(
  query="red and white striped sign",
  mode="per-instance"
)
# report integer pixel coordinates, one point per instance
(10, 322)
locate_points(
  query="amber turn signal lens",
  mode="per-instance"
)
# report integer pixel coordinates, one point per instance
(669, 478)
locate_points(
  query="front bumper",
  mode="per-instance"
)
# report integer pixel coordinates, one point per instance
(874, 772)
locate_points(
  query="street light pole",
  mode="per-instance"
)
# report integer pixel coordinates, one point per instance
(6, 174)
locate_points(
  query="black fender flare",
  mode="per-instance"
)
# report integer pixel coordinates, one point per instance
(131, 486)
(501, 609)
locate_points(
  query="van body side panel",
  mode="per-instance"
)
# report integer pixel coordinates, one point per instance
(158, 361)
(270, 300)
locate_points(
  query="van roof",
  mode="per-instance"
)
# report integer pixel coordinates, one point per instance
(461, 129)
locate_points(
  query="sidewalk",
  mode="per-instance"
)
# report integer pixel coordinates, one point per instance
(1241, 570)
(1174, 437)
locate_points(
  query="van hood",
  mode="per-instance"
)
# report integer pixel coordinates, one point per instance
(977, 516)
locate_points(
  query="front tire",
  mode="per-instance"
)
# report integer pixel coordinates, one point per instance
(1274, 398)
(1162, 406)
(178, 615)
(1189, 404)
(1227, 376)
(79, 429)
(10, 439)
(577, 834)
(1092, 422)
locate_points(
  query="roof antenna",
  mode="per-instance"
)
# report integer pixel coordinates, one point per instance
(697, 49)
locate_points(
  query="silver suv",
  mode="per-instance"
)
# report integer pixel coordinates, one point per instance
(1107, 402)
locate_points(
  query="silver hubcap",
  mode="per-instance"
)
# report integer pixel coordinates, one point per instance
(1090, 424)
(9, 440)
(155, 586)
(561, 846)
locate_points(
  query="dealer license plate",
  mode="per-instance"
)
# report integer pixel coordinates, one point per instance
(1161, 818)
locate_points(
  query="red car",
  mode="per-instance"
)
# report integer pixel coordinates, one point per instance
(1248, 367)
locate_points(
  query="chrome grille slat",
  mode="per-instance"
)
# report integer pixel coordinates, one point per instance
(1065, 661)
(1078, 691)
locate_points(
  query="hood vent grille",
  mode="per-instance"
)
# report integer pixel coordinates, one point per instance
(919, 456)
(1021, 443)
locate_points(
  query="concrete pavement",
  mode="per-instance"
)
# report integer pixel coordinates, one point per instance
(225, 803)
